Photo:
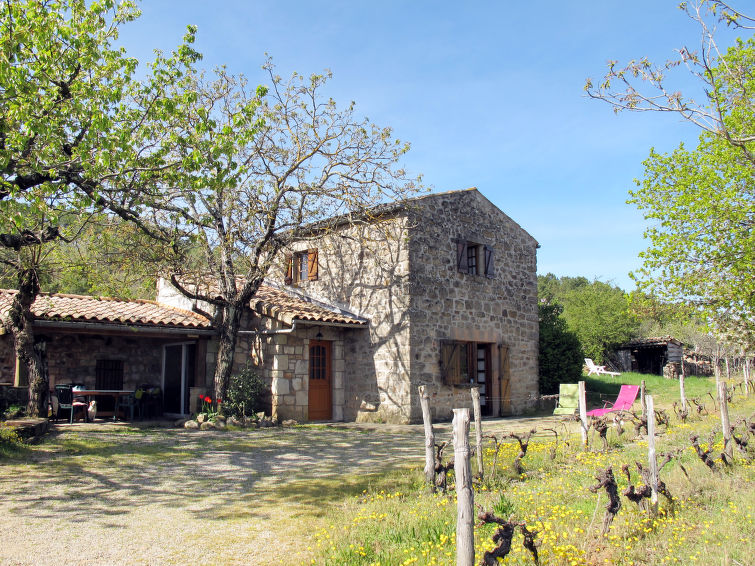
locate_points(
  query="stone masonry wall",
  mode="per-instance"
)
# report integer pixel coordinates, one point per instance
(283, 362)
(364, 270)
(449, 305)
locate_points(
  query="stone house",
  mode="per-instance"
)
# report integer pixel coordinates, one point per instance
(440, 290)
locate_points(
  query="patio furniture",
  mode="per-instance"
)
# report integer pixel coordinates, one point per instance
(624, 401)
(66, 401)
(129, 405)
(568, 399)
(150, 400)
(115, 394)
(598, 370)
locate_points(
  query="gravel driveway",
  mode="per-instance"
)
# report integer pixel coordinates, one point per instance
(109, 494)
(179, 497)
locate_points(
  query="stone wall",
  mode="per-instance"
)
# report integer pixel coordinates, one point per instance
(500, 310)
(363, 269)
(282, 360)
(72, 358)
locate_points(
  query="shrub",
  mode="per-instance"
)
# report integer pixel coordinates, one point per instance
(560, 359)
(10, 442)
(246, 394)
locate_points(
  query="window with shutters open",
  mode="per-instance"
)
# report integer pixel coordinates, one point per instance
(474, 258)
(465, 363)
(301, 266)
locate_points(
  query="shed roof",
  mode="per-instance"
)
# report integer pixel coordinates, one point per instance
(654, 341)
(104, 310)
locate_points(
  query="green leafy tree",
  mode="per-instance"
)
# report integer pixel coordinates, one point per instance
(597, 312)
(75, 125)
(560, 357)
(700, 202)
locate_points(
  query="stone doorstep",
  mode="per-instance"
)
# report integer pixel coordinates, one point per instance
(29, 428)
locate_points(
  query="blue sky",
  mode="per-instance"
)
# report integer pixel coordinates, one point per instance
(490, 95)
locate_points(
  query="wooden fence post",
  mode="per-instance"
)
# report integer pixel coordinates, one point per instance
(682, 392)
(424, 401)
(464, 494)
(478, 429)
(652, 462)
(725, 423)
(583, 413)
(643, 404)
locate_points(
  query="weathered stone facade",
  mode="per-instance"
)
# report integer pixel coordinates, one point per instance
(72, 358)
(400, 272)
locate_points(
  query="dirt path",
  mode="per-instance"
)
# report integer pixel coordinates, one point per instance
(106, 494)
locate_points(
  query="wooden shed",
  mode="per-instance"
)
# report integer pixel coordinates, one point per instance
(649, 355)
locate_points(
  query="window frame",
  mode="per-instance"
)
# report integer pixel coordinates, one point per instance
(481, 254)
(302, 266)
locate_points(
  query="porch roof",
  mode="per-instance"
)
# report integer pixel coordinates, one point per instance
(63, 308)
(286, 307)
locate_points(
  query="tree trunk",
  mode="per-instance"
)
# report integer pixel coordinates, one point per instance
(20, 324)
(464, 495)
(228, 325)
(478, 429)
(424, 401)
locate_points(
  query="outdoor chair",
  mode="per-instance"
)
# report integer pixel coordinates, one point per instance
(129, 405)
(568, 399)
(149, 398)
(66, 401)
(624, 401)
(598, 370)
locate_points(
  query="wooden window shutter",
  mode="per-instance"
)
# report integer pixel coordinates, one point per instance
(289, 279)
(461, 255)
(312, 265)
(450, 362)
(489, 265)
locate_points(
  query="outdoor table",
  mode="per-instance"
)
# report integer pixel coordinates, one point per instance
(114, 393)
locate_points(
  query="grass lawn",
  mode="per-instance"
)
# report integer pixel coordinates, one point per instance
(709, 521)
(664, 391)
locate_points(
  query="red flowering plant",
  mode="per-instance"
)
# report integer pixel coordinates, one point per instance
(209, 407)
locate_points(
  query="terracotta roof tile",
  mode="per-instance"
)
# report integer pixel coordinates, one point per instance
(79, 308)
(279, 304)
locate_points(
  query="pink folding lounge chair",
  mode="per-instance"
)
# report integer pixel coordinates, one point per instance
(624, 401)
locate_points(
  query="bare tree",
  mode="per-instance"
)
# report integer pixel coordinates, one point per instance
(263, 168)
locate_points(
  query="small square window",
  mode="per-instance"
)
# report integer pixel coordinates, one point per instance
(301, 266)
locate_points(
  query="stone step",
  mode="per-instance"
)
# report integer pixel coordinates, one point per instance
(29, 428)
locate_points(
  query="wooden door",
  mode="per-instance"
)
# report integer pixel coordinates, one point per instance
(320, 399)
(505, 376)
